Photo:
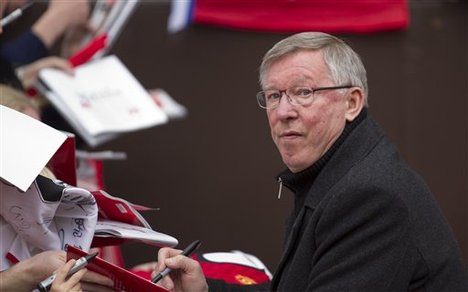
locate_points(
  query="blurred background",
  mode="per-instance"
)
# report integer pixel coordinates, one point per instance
(212, 174)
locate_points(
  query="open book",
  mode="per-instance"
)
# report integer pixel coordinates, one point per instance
(120, 221)
(102, 100)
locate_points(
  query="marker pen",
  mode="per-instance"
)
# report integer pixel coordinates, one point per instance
(45, 285)
(14, 15)
(186, 252)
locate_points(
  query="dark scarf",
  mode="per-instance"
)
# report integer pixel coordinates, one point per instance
(8, 76)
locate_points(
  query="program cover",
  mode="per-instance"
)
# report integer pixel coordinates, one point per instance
(102, 100)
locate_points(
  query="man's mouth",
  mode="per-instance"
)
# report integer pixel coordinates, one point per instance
(290, 135)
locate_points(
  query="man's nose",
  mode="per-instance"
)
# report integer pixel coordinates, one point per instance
(285, 108)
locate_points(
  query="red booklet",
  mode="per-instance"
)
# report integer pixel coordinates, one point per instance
(118, 209)
(63, 163)
(123, 279)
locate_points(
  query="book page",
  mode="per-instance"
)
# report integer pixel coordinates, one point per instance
(107, 228)
(104, 97)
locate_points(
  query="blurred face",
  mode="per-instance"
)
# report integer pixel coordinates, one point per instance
(304, 133)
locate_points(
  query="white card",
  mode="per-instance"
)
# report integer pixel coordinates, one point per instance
(26, 145)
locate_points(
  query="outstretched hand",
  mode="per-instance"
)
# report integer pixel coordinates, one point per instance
(29, 73)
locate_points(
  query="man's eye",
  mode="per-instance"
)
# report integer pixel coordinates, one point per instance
(273, 95)
(303, 92)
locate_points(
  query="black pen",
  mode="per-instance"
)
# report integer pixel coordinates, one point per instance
(14, 14)
(186, 252)
(82, 262)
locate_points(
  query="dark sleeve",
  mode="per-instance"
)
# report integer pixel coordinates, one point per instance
(7, 75)
(24, 49)
(363, 240)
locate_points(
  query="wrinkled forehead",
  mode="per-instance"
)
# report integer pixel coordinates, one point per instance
(305, 59)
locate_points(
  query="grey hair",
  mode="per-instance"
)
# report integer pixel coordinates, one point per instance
(344, 64)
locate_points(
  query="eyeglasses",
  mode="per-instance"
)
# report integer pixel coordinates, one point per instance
(300, 95)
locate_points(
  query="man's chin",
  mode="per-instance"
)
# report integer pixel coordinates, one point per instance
(293, 164)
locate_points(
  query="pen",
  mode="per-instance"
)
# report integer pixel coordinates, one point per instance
(14, 14)
(186, 252)
(45, 285)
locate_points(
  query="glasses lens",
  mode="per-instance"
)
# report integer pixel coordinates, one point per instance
(272, 98)
(300, 95)
(268, 98)
(261, 99)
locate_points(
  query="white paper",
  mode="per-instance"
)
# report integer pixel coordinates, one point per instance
(26, 145)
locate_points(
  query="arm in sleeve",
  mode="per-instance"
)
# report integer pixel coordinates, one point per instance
(25, 49)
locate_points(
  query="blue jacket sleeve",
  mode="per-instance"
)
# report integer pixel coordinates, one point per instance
(25, 49)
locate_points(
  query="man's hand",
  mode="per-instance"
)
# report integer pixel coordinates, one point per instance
(63, 283)
(27, 274)
(187, 274)
(28, 74)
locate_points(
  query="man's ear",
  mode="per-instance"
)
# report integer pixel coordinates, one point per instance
(355, 103)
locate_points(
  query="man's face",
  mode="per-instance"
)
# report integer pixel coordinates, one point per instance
(304, 133)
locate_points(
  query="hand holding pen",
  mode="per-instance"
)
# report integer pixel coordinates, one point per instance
(68, 277)
(186, 252)
(187, 273)
(63, 282)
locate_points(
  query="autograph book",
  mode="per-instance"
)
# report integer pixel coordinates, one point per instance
(120, 221)
(102, 100)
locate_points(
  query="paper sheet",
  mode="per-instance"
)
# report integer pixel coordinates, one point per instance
(26, 145)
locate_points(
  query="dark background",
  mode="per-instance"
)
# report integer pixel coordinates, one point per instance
(212, 174)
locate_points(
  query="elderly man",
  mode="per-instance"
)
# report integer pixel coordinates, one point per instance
(362, 220)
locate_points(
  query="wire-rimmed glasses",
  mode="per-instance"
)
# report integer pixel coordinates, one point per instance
(299, 95)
